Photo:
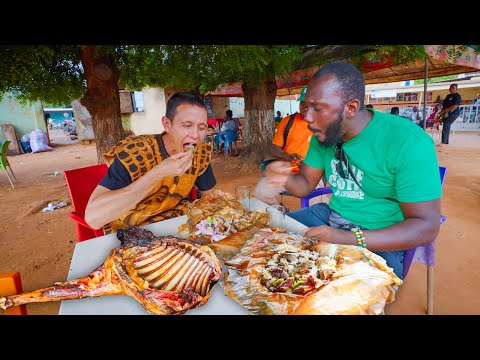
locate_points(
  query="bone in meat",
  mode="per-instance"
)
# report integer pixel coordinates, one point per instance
(166, 274)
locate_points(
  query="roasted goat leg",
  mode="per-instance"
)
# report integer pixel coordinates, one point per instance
(166, 274)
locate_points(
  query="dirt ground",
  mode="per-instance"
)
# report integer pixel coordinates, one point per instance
(40, 245)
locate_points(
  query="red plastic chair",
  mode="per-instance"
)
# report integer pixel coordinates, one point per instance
(81, 183)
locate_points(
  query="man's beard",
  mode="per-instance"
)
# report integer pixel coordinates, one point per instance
(333, 133)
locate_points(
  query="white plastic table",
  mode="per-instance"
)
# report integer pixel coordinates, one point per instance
(90, 254)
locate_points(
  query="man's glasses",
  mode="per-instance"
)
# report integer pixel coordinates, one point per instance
(344, 172)
(342, 156)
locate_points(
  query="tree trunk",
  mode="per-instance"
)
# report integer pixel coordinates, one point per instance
(102, 98)
(259, 127)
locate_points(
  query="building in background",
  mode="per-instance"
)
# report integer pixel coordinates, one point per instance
(405, 95)
(58, 114)
(24, 118)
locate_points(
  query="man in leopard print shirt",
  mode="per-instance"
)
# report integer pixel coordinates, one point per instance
(150, 176)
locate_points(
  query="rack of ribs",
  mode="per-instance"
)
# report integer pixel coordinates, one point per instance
(166, 274)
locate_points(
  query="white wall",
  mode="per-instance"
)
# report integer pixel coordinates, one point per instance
(237, 105)
(286, 106)
(149, 121)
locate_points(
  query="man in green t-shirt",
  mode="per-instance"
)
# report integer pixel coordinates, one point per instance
(382, 168)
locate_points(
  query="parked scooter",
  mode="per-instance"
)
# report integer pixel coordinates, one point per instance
(70, 128)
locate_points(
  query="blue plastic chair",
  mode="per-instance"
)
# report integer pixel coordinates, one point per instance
(230, 141)
(305, 201)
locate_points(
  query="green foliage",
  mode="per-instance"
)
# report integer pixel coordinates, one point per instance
(54, 73)
(48, 72)
(203, 67)
(319, 55)
(397, 54)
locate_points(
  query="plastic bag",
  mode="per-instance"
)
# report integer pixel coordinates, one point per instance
(38, 141)
(362, 283)
(52, 206)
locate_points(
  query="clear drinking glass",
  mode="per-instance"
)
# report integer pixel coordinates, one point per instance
(276, 216)
(242, 194)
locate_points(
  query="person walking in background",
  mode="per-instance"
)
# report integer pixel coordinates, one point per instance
(395, 110)
(449, 113)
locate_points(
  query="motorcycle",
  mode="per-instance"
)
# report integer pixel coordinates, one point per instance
(70, 128)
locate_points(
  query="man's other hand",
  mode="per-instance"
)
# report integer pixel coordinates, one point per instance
(331, 235)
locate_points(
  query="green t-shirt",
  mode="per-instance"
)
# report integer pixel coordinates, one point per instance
(391, 158)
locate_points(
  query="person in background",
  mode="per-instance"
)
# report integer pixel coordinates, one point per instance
(476, 108)
(150, 177)
(290, 143)
(278, 118)
(449, 113)
(432, 118)
(415, 115)
(395, 110)
(384, 174)
(369, 106)
(476, 100)
(50, 123)
(228, 129)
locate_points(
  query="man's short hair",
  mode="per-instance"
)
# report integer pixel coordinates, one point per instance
(180, 98)
(351, 80)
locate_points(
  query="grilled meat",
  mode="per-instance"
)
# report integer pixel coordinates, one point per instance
(166, 274)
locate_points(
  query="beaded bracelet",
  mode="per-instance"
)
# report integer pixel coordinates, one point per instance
(360, 237)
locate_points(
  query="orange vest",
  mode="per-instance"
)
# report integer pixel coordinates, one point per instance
(299, 136)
